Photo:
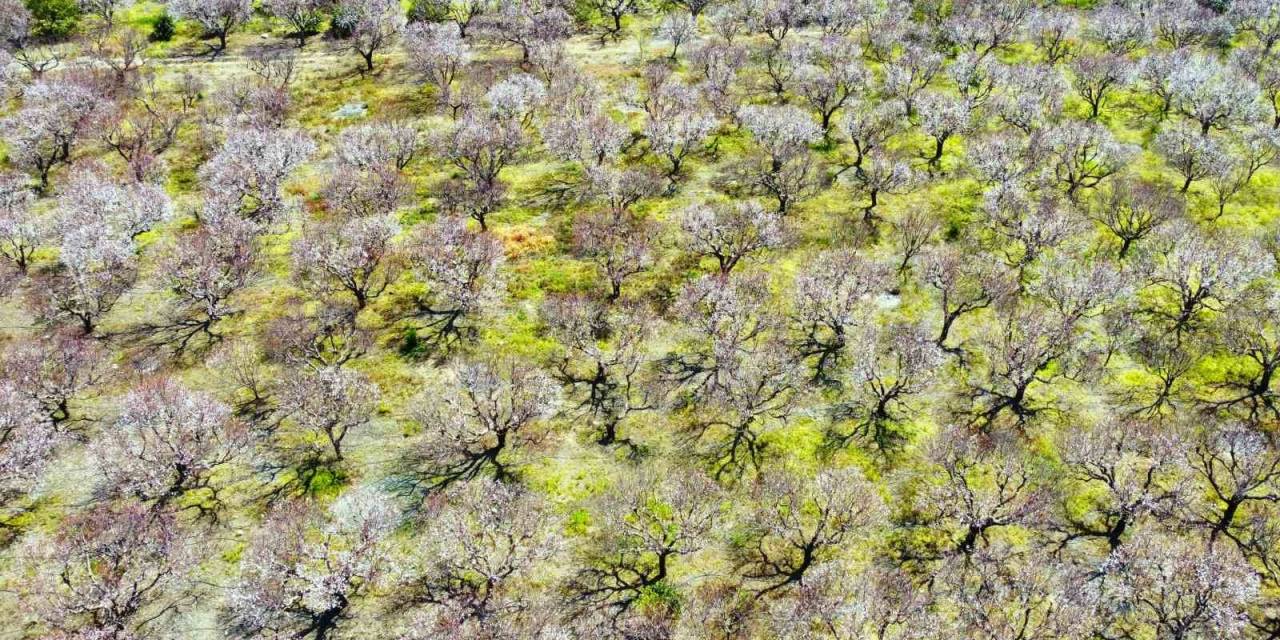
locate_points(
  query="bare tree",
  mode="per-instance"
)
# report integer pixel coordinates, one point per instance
(1120, 476)
(980, 486)
(1095, 77)
(830, 302)
(1133, 209)
(55, 370)
(606, 379)
(888, 367)
(1236, 466)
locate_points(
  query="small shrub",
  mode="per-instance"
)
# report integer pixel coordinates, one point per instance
(163, 29)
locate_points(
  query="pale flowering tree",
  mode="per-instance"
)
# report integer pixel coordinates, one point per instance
(606, 380)
(122, 209)
(1027, 350)
(724, 321)
(620, 244)
(462, 13)
(1248, 154)
(1168, 585)
(244, 179)
(1084, 154)
(218, 18)
(964, 286)
(800, 525)
(677, 28)
(305, 569)
(384, 145)
(1054, 32)
(305, 17)
(1260, 18)
(1029, 97)
(203, 271)
(835, 74)
(831, 298)
(15, 26)
(1004, 591)
(648, 524)
(1184, 24)
(730, 232)
(110, 572)
(516, 98)
(888, 368)
(325, 405)
(22, 230)
(141, 134)
(476, 422)
(369, 25)
(869, 126)
(1134, 473)
(528, 24)
(676, 124)
(942, 118)
(438, 52)
(1119, 29)
(54, 118)
(473, 573)
(27, 442)
(167, 446)
(882, 174)
(56, 369)
(480, 146)
(463, 272)
(1192, 155)
(94, 270)
(782, 135)
(907, 75)
(1214, 95)
(357, 257)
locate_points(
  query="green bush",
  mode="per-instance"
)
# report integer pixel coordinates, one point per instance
(162, 30)
(53, 19)
(429, 11)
